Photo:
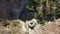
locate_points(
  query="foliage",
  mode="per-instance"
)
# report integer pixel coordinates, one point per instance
(41, 15)
(32, 4)
(42, 1)
(5, 23)
(51, 3)
(15, 23)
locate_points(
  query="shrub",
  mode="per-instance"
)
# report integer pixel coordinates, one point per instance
(5, 22)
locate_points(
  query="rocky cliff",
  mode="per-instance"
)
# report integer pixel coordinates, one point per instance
(19, 27)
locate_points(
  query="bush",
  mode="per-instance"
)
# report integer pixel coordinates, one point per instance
(15, 23)
(5, 23)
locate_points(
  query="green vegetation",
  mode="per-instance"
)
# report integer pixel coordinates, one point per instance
(5, 23)
(15, 23)
(44, 10)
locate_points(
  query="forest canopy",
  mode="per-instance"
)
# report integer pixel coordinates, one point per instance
(45, 10)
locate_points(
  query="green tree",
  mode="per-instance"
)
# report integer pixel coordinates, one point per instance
(43, 9)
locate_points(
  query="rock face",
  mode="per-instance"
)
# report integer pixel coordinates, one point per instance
(20, 27)
(10, 9)
(48, 28)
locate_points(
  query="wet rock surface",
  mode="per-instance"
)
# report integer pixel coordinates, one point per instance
(10, 9)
